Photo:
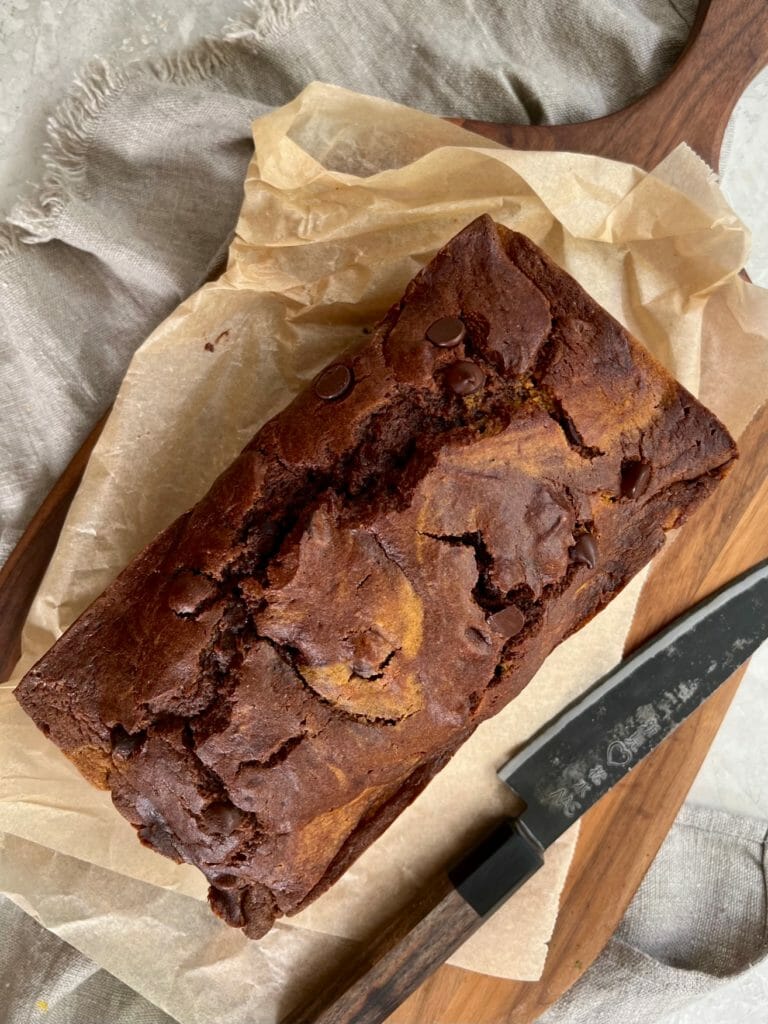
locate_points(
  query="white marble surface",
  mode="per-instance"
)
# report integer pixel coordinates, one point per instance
(43, 44)
(744, 170)
(734, 776)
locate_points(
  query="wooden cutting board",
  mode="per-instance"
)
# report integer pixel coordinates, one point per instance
(621, 835)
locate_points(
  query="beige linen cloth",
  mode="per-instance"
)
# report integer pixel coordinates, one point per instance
(216, 85)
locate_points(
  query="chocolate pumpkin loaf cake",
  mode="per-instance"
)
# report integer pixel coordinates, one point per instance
(387, 563)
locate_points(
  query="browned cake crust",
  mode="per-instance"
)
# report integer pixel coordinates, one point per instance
(278, 674)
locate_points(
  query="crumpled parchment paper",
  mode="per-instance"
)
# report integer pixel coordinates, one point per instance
(347, 196)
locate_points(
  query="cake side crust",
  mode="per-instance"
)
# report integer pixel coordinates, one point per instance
(275, 677)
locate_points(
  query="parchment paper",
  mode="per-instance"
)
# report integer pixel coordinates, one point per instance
(347, 196)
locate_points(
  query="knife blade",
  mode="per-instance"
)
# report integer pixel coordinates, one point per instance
(557, 776)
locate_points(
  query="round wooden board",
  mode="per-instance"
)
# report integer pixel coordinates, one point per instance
(621, 835)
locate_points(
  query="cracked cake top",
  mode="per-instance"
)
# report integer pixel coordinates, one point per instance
(277, 675)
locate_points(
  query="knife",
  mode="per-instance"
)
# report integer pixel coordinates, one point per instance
(558, 776)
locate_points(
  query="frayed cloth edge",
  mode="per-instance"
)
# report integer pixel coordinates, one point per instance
(70, 130)
(261, 22)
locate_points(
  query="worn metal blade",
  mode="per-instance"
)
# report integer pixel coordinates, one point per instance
(563, 771)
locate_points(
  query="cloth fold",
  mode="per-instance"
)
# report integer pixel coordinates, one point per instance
(45, 979)
(96, 256)
(131, 216)
(698, 922)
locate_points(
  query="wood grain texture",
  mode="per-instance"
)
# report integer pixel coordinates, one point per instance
(22, 573)
(395, 961)
(620, 836)
(727, 47)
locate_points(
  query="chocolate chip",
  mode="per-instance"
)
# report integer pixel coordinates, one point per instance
(635, 477)
(447, 332)
(160, 838)
(226, 881)
(223, 817)
(509, 621)
(584, 551)
(464, 377)
(125, 745)
(476, 636)
(228, 905)
(334, 382)
(188, 591)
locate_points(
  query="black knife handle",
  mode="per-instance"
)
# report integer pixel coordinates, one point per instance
(368, 988)
(488, 875)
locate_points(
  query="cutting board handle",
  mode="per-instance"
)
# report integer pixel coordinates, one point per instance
(727, 46)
